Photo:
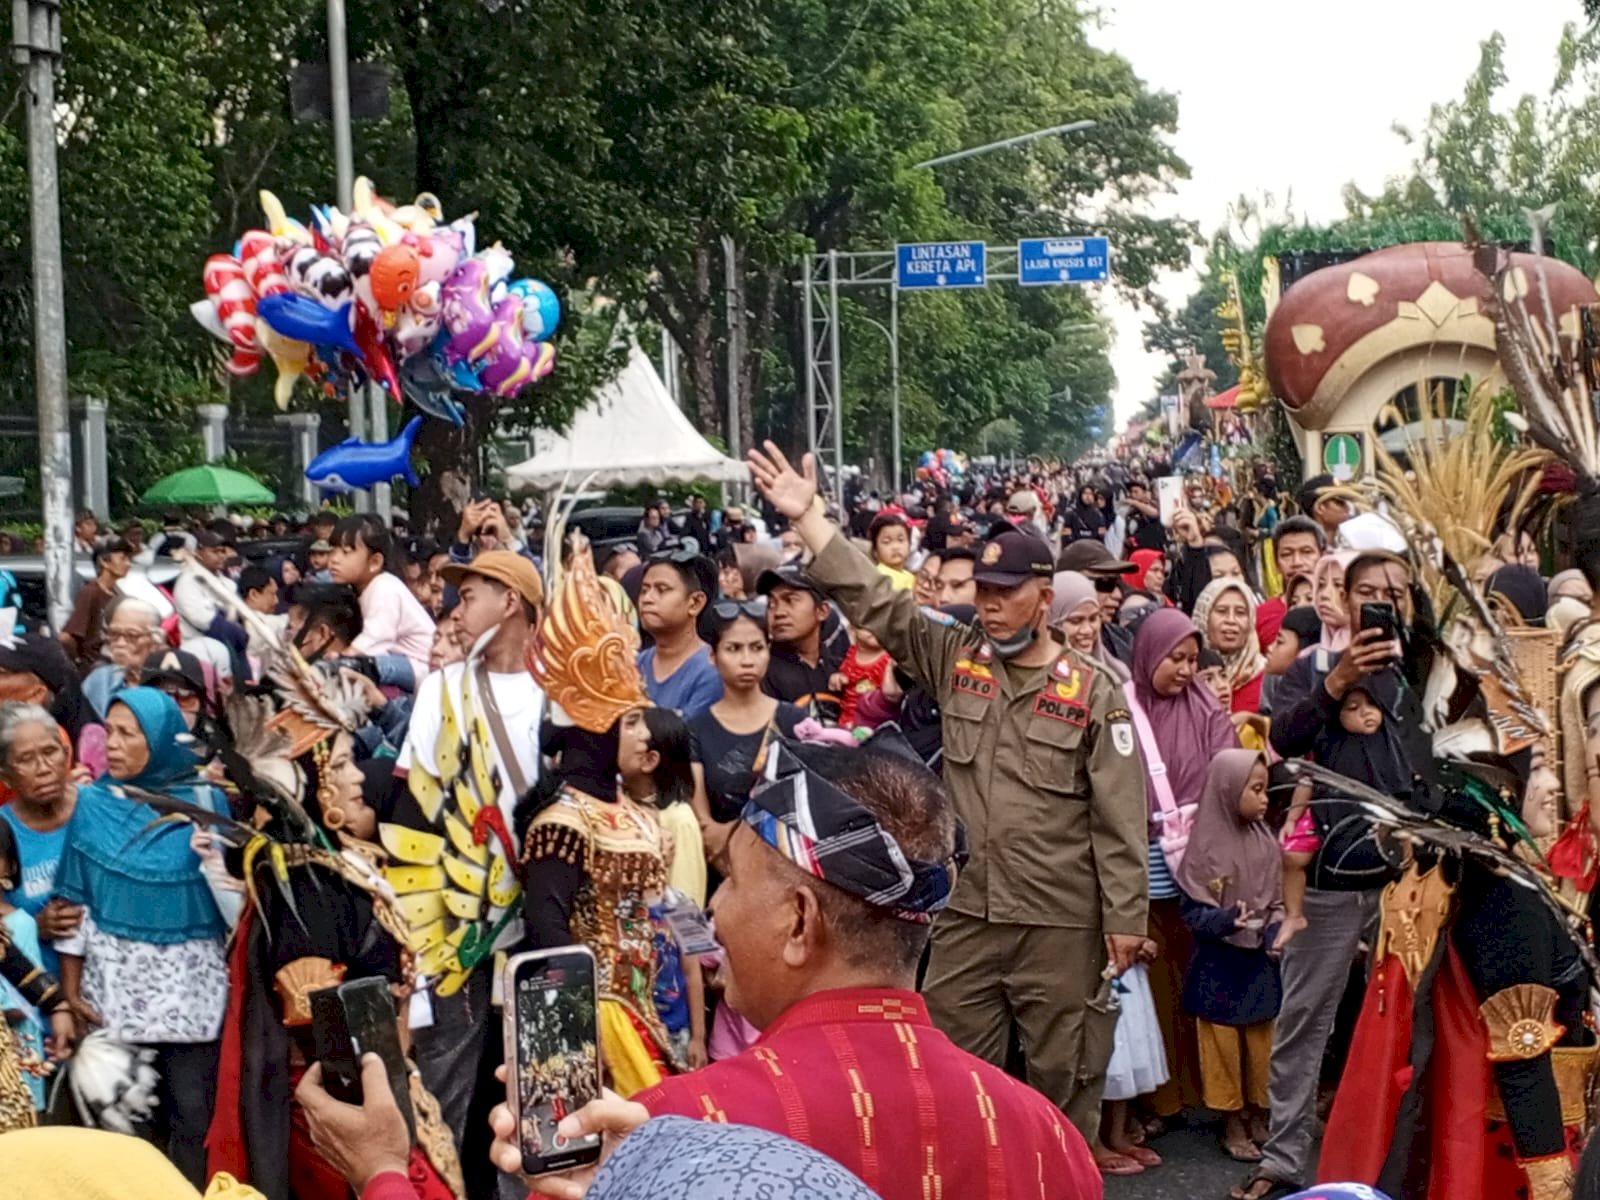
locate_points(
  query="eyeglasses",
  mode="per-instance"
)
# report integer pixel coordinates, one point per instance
(1102, 584)
(128, 635)
(730, 610)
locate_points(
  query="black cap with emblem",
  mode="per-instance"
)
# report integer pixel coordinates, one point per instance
(1012, 557)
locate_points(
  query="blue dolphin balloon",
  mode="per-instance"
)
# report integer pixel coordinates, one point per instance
(357, 464)
(305, 320)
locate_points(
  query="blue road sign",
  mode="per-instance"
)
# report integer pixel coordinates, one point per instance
(1042, 261)
(939, 264)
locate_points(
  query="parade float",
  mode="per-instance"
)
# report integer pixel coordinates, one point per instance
(1345, 342)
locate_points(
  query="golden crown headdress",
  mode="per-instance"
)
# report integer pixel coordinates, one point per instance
(584, 653)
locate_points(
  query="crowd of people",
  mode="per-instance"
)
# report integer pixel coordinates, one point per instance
(989, 789)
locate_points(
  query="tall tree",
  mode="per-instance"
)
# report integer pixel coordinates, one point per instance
(612, 144)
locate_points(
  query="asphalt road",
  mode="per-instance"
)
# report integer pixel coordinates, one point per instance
(1193, 1168)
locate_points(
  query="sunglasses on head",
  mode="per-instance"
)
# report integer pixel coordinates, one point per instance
(682, 556)
(729, 610)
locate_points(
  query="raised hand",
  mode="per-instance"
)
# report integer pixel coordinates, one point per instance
(789, 491)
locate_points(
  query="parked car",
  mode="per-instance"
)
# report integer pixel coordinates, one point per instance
(145, 581)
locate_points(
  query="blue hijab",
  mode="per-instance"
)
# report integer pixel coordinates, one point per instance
(139, 880)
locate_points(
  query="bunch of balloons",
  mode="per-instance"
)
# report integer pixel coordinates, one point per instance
(944, 467)
(384, 292)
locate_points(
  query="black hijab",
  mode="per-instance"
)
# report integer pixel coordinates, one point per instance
(1523, 588)
(586, 761)
(41, 655)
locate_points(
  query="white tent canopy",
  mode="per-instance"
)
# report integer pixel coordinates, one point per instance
(631, 433)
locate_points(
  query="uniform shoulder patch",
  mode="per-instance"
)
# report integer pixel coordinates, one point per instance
(937, 617)
(1122, 737)
(1118, 714)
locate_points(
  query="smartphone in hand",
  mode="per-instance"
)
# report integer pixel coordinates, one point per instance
(359, 1018)
(552, 1039)
(1381, 616)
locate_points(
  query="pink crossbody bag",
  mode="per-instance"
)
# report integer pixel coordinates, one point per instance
(1176, 820)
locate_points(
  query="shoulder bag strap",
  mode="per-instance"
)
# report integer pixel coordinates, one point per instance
(1152, 753)
(497, 727)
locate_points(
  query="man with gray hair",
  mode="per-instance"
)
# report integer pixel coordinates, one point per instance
(133, 633)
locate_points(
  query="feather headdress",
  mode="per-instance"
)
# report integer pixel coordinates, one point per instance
(1555, 376)
(1522, 863)
(584, 654)
(1455, 487)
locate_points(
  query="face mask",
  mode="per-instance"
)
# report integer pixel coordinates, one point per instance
(1014, 645)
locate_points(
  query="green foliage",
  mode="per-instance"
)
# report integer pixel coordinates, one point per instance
(611, 144)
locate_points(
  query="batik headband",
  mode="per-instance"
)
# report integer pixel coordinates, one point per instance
(827, 834)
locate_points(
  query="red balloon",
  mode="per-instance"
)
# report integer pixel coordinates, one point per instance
(375, 355)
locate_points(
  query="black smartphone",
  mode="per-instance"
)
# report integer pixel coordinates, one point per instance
(552, 1037)
(359, 1018)
(1380, 616)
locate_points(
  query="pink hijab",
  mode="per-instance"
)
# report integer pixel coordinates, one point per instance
(1189, 729)
(1335, 617)
(1229, 859)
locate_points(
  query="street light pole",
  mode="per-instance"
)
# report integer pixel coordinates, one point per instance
(1069, 127)
(892, 333)
(35, 47)
(344, 176)
(838, 392)
(735, 313)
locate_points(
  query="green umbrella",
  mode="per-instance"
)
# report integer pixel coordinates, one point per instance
(208, 485)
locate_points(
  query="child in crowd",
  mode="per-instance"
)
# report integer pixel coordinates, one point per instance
(1138, 1067)
(1298, 593)
(1232, 883)
(861, 673)
(1301, 629)
(1211, 674)
(890, 539)
(392, 622)
(654, 761)
(27, 1026)
(1359, 717)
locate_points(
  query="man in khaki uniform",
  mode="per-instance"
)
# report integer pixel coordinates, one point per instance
(1041, 762)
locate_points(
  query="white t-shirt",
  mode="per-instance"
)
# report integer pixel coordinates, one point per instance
(394, 622)
(521, 703)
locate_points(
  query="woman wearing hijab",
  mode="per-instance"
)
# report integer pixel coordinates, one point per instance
(147, 963)
(1570, 600)
(1327, 597)
(1075, 615)
(1519, 594)
(1225, 614)
(35, 670)
(1181, 728)
(1232, 883)
(1086, 519)
(1149, 571)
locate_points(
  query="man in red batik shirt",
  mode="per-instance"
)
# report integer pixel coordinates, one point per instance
(832, 876)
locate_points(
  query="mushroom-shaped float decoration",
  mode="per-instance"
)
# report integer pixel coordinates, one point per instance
(1344, 340)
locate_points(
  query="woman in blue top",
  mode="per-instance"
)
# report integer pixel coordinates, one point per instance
(148, 962)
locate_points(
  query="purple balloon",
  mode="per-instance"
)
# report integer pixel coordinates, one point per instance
(465, 312)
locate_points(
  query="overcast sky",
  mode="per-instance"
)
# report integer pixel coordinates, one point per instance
(1277, 96)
